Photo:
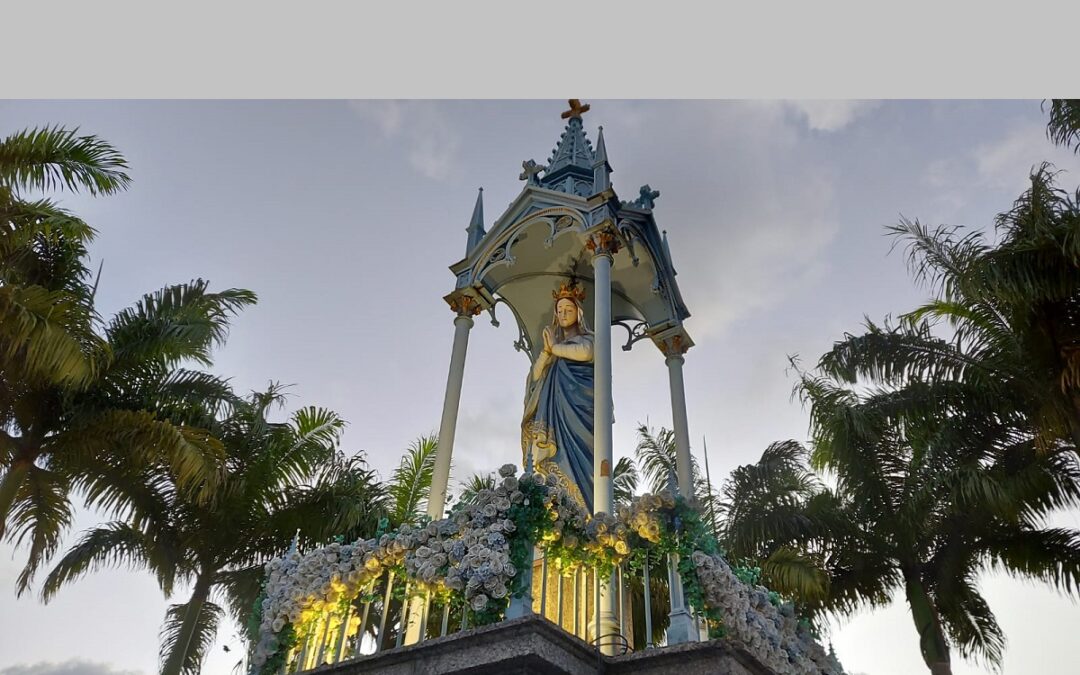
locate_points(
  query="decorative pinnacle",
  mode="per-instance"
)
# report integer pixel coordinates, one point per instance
(667, 254)
(476, 224)
(601, 147)
(576, 109)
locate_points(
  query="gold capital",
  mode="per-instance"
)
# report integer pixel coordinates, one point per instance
(464, 305)
(603, 242)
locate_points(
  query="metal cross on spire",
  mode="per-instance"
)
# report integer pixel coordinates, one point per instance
(576, 109)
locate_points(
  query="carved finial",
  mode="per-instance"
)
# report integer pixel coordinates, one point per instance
(530, 169)
(576, 109)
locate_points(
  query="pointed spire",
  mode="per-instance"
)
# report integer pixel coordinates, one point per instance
(601, 169)
(476, 225)
(667, 254)
(573, 150)
(570, 168)
(295, 545)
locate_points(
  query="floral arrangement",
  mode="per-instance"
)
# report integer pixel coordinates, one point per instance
(475, 554)
(771, 633)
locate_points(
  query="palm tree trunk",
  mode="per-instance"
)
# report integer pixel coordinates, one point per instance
(9, 488)
(935, 651)
(174, 665)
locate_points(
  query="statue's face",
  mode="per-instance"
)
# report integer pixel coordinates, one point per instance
(566, 313)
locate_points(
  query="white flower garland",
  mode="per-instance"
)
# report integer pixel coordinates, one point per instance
(474, 542)
(473, 545)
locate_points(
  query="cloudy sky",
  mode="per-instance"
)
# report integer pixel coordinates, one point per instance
(344, 216)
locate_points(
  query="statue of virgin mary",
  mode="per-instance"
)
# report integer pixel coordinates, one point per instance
(557, 428)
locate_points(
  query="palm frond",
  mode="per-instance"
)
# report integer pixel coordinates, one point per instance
(297, 450)
(411, 482)
(938, 257)
(343, 498)
(971, 625)
(625, 479)
(112, 545)
(183, 321)
(1064, 125)
(40, 514)
(45, 335)
(48, 158)
(206, 627)
(475, 484)
(655, 452)
(143, 496)
(892, 355)
(1051, 555)
(241, 587)
(193, 455)
(30, 227)
(794, 574)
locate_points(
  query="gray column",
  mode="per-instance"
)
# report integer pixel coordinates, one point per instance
(603, 245)
(682, 430)
(681, 625)
(440, 477)
(603, 488)
(447, 426)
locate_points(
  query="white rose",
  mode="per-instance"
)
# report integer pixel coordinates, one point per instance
(478, 602)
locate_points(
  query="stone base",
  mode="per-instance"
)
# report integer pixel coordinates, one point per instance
(534, 646)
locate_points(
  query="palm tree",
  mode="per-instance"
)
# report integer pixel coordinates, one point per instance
(947, 452)
(930, 492)
(137, 408)
(1013, 307)
(75, 392)
(410, 485)
(45, 294)
(279, 480)
(776, 515)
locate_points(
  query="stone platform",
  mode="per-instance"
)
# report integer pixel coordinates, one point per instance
(534, 646)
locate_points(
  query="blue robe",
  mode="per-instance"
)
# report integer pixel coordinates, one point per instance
(558, 423)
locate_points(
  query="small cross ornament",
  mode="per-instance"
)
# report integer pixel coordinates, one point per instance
(648, 197)
(576, 109)
(530, 171)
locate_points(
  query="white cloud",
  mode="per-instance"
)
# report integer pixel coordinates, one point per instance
(760, 229)
(1007, 163)
(763, 258)
(829, 115)
(1002, 165)
(70, 667)
(431, 145)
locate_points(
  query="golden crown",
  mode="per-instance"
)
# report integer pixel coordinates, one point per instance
(569, 289)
